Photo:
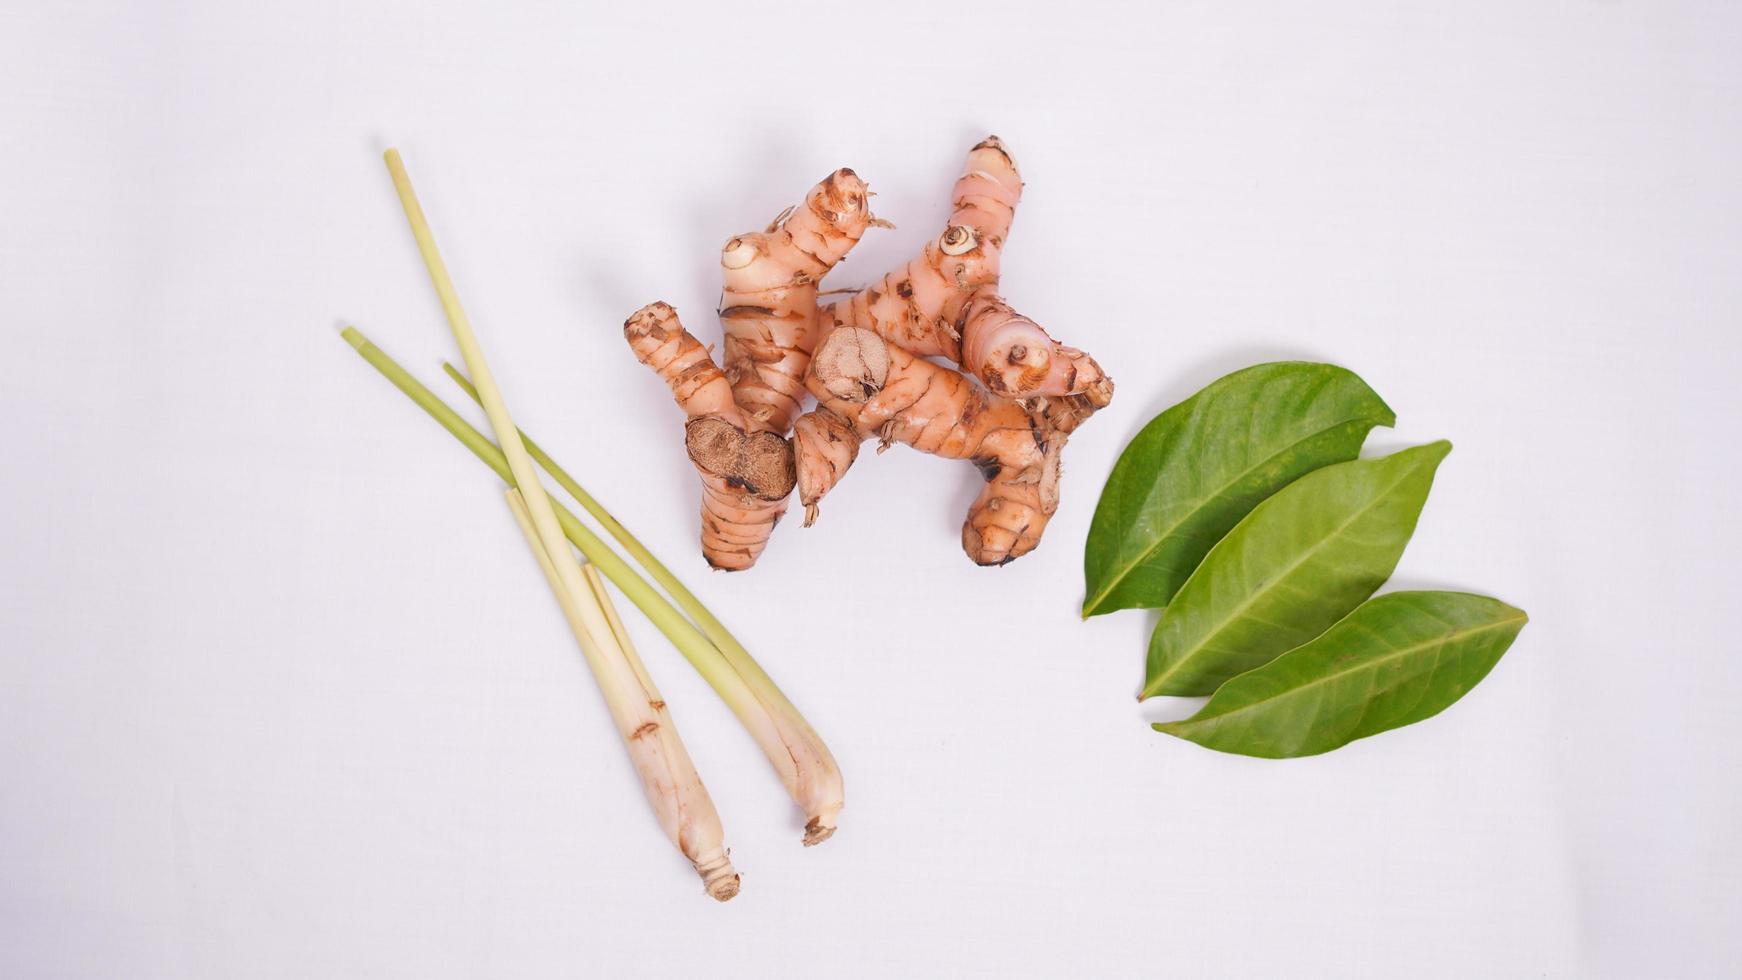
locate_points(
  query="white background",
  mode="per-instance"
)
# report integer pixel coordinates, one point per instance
(282, 695)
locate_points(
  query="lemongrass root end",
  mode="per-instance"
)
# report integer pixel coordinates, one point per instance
(719, 879)
(817, 831)
(820, 828)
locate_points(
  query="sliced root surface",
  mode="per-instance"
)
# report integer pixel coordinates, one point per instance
(852, 364)
(759, 464)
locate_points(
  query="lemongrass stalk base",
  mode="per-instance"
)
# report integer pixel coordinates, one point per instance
(815, 831)
(813, 778)
(669, 777)
(800, 758)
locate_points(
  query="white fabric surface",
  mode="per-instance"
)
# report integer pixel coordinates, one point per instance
(281, 694)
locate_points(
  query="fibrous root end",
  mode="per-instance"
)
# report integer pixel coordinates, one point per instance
(719, 879)
(816, 831)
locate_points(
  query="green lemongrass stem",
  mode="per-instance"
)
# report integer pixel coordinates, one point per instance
(668, 776)
(683, 634)
(804, 765)
(671, 791)
(816, 783)
(810, 773)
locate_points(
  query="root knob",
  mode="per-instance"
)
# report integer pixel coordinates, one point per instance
(958, 240)
(738, 253)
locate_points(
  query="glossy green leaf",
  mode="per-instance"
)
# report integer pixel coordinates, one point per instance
(1392, 662)
(1199, 467)
(1298, 563)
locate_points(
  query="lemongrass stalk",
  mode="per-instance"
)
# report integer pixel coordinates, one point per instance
(683, 634)
(596, 584)
(800, 759)
(661, 775)
(820, 789)
(668, 776)
(621, 634)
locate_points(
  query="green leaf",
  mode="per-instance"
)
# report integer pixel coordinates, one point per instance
(1392, 662)
(1200, 466)
(1298, 563)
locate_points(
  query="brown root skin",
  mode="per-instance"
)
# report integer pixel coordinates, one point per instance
(740, 414)
(1015, 444)
(918, 307)
(824, 446)
(1012, 356)
(1006, 520)
(745, 478)
(735, 525)
(660, 341)
(768, 303)
(1009, 410)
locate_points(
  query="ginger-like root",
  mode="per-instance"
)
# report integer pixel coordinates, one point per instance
(824, 446)
(945, 303)
(870, 373)
(917, 307)
(739, 416)
(768, 303)
(746, 475)
(865, 387)
(1014, 357)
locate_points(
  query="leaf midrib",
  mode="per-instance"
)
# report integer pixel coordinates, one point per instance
(1197, 505)
(1281, 577)
(1364, 665)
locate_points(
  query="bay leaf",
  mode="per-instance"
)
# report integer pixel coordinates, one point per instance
(1394, 661)
(1196, 469)
(1300, 561)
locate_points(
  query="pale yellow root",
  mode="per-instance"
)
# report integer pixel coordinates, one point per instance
(898, 397)
(746, 475)
(768, 300)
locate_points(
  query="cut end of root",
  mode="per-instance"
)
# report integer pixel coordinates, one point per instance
(816, 832)
(723, 889)
(720, 880)
(997, 146)
(852, 364)
(760, 464)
